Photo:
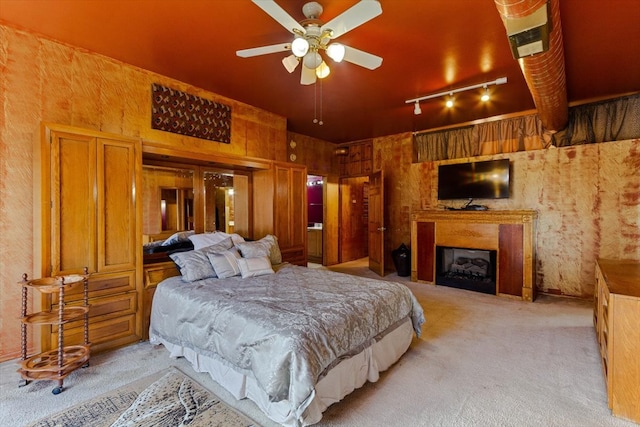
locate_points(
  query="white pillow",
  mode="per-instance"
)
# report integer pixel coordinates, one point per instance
(225, 264)
(207, 239)
(252, 267)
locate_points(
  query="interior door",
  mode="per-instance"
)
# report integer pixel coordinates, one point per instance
(354, 218)
(376, 223)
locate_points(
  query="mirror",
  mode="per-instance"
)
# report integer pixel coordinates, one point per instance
(191, 197)
(219, 206)
(167, 201)
(176, 209)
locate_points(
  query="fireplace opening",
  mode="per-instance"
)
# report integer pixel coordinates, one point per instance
(465, 268)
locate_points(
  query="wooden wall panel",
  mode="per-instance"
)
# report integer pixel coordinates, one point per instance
(511, 259)
(425, 268)
(316, 154)
(394, 155)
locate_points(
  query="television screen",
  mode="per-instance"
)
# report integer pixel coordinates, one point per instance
(476, 180)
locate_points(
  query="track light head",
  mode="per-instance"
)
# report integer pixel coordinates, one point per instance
(485, 96)
(416, 109)
(449, 102)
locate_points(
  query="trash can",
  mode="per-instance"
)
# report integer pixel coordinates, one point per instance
(402, 260)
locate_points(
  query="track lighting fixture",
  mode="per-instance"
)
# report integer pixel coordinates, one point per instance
(450, 100)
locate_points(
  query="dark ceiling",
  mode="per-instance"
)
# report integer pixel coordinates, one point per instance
(428, 46)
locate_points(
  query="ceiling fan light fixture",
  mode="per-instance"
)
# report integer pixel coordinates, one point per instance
(323, 70)
(300, 47)
(311, 36)
(290, 63)
(336, 52)
(312, 60)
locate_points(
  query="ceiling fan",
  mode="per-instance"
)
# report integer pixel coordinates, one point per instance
(311, 37)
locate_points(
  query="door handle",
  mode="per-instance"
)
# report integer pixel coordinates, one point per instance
(381, 228)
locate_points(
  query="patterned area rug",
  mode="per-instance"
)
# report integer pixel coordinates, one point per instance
(172, 400)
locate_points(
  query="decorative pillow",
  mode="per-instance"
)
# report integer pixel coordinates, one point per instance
(236, 238)
(225, 264)
(252, 267)
(253, 249)
(274, 249)
(195, 265)
(267, 246)
(207, 239)
(178, 237)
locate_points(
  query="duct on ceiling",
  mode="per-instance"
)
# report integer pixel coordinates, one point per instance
(543, 72)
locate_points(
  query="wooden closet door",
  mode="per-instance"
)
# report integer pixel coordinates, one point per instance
(72, 203)
(298, 202)
(283, 206)
(116, 221)
(290, 209)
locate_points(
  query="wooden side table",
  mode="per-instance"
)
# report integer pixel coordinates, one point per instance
(55, 364)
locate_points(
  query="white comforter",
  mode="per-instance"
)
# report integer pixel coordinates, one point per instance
(284, 329)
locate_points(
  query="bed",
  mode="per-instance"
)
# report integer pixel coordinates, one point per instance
(294, 341)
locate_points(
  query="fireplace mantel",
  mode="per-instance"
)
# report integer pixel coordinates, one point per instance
(510, 233)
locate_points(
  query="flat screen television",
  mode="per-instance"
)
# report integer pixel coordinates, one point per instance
(474, 180)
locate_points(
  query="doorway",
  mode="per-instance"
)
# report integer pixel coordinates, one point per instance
(315, 218)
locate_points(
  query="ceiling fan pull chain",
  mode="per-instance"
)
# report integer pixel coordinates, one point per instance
(320, 123)
(315, 102)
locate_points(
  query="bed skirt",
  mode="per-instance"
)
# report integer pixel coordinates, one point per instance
(341, 380)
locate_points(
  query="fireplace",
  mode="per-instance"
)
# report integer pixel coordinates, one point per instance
(466, 268)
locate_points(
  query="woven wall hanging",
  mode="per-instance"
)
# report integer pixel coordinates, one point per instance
(179, 112)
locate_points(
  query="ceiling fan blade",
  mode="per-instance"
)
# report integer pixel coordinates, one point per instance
(353, 17)
(361, 58)
(280, 15)
(308, 76)
(263, 50)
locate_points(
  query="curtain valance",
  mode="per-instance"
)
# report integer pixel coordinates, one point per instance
(611, 120)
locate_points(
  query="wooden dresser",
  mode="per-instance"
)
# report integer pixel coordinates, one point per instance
(616, 318)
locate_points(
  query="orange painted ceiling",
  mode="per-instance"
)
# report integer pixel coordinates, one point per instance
(427, 46)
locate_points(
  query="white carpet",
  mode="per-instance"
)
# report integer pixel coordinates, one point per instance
(482, 360)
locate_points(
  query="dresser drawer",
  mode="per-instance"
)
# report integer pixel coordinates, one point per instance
(112, 330)
(103, 308)
(294, 255)
(103, 284)
(154, 274)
